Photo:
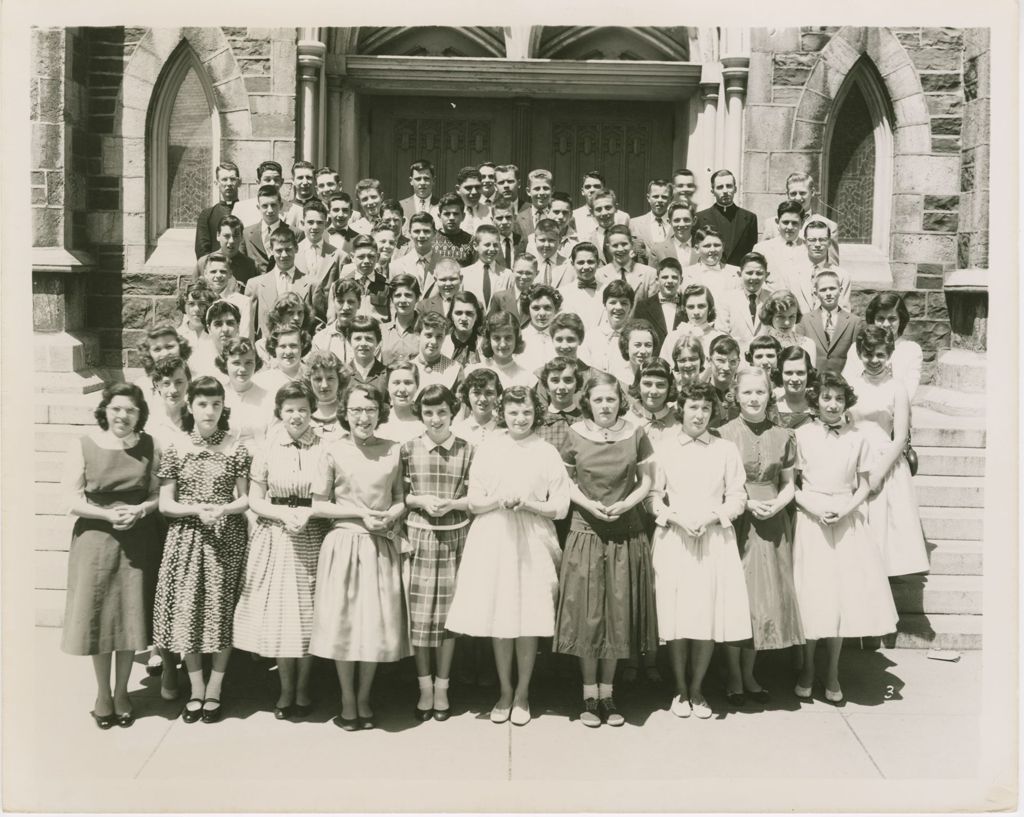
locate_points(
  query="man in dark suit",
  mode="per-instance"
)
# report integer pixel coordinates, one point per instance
(511, 243)
(509, 300)
(664, 309)
(447, 281)
(256, 239)
(208, 225)
(832, 328)
(339, 213)
(421, 179)
(538, 188)
(229, 237)
(738, 227)
(265, 289)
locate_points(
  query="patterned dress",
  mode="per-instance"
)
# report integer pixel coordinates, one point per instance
(112, 573)
(274, 616)
(359, 610)
(441, 470)
(606, 583)
(766, 545)
(198, 583)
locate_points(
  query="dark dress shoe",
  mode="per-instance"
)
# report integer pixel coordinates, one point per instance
(282, 713)
(423, 715)
(302, 710)
(348, 724)
(125, 719)
(192, 715)
(735, 698)
(367, 723)
(761, 696)
(442, 714)
(104, 721)
(211, 715)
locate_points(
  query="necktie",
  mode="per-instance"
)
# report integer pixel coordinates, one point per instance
(752, 303)
(508, 253)
(660, 222)
(421, 262)
(622, 273)
(487, 285)
(828, 327)
(547, 273)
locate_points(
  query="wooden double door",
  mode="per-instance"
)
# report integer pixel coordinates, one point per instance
(629, 142)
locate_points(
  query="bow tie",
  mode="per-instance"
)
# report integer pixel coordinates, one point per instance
(834, 429)
(581, 285)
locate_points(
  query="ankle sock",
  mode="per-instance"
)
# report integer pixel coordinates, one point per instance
(426, 684)
(441, 693)
(604, 691)
(589, 691)
(198, 686)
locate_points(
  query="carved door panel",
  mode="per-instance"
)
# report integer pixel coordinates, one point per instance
(450, 133)
(630, 143)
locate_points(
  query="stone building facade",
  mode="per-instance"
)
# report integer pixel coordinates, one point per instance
(894, 123)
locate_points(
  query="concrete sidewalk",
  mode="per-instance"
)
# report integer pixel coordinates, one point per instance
(906, 717)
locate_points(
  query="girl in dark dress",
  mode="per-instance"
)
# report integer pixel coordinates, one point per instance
(110, 480)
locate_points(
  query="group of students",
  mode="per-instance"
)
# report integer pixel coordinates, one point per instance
(550, 466)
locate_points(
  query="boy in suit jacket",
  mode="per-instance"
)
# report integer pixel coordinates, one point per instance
(208, 224)
(739, 310)
(653, 227)
(622, 265)
(738, 227)
(583, 217)
(663, 310)
(511, 243)
(265, 289)
(422, 200)
(374, 285)
(679, 245)
(448, 281)
(538, 187)
(486, 277)
(799, 279)
(524, 274)
(553, 268)
(229, 237)
(256, 238)
(832, 328)
(422, 261)
(317, 258)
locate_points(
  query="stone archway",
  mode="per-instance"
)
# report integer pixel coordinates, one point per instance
(142, 78)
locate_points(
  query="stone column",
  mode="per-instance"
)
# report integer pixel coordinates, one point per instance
(334, 86)
(63, 354)
(702, 159)
(734, 78)
(348, 163)
(311, 61)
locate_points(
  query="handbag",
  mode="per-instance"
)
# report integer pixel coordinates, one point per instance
(911, 456)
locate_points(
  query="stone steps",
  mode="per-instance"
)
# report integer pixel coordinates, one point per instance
(961, 370)
(950, 491)
(955, 461)
(951, 401)
(960, 595)
(931, 428)
(952, 523)
(944, 631)
(955, 557)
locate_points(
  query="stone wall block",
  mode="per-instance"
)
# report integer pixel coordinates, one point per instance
(913, 138)
(976, 41)
(814, 107)
(47, 146)
(904, 275)
(920, 248)
(284, 151)
(283, 59)
(792, 69)
(55, 189)
(938, 309)
(134, 156)
(930, 334)
(235, 32)
(38, 195)
(273, 125)
(778, 39)
(787, 96)
(907, 209)
(149, 284)
(818, 80)
(940, 222)
(165, 311)
(253, 66)
(814, 41)
(946, 125)
(138, 93)
(903, 82)
(279, 105)
(250, 47)
(47, 227)
(231, 95)
(763, 205)
(891, 56)
(780, 165)
(133, 193)
(911, 110)
(976, 124)
(909, 38)
(205, 41)
(915, 303)
(50, 95)
(856, 36)
(935, 59)
(48, 52)
(807, 135)
(951, 38)
(755, 172)
(145, 65)
(132, 121)
(949, 204)
(940, 81)
(222, 65)
(768, 126)
(945, 144)
(235, 125)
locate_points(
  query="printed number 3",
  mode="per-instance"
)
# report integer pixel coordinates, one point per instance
(889, 692)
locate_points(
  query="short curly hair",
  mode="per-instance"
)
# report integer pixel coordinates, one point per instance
(635, 325)
(536, 292)
(781, 300)
(146, 357)
(835, 382)
(655, 368)
(692, 291)
(278, 332)
(478, 379)
(570, 321)
(295, 390)
(520, 395)
(874, 337)
(133, 393)
(371, 392)
(167, 367)
(791, 353)
(697, 392)
(435, 395)
(596, 379)
(557, 365)
(691, 344)
(497, 322)
(236, 347)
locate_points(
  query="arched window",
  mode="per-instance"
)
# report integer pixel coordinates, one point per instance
(183, 148)
(857, 165)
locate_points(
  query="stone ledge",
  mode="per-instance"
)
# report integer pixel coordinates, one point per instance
(975, 280)
(59, 259)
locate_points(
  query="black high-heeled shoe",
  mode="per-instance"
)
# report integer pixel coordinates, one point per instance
(126, 719)
(348, 724)
(423, 715)
(104, 721)
(302, 710)
(283, 713)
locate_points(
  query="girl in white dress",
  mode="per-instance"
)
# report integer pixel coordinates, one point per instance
(781, 312)
(502, 341)
(252, 406)
(700, 587)
(841, 587)
(888, 311)
(542, 304)
(507, 582)
(698, 321)
(480, 393)
(882, 414)
(402, 424)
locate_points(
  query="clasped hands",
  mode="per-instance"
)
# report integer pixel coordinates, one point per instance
(378, 521)
(295, 519)
(608, 513)
(762, 509)
(124, 517)
(435, 506)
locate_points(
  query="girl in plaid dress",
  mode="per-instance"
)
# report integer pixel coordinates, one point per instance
(435, 466)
